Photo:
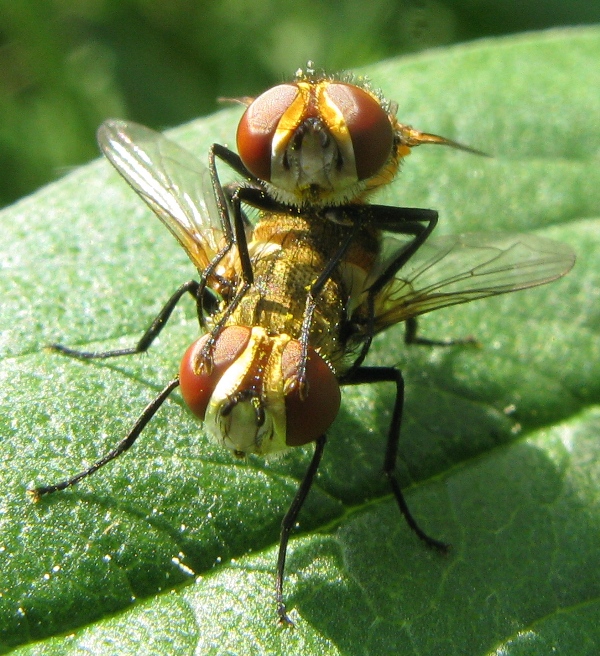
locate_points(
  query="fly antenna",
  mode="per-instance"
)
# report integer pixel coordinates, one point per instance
(411, 138)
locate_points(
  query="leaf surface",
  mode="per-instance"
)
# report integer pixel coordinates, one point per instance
(171, 549)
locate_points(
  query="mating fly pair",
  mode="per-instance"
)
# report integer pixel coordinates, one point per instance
(290, 302)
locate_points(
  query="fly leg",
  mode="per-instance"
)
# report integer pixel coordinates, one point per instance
(393, 375)
(148, 337)
(233, 232)
(149, 412)
(288, 524)
(411, 337)
(402, 220)
(394, 220)
(311, 305)
(235, 196)
(234, 225)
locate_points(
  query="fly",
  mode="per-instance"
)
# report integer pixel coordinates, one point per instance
(290, 303)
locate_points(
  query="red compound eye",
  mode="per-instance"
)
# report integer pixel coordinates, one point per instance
(308, 419)
(257, 128)
(198, 388)
(368, 124)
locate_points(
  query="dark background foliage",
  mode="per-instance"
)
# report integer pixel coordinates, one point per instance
(67, 65)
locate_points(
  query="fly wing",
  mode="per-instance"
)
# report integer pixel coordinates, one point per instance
(174, 183)
(457, 269)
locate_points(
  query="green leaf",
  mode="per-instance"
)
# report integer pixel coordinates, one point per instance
(171, 549)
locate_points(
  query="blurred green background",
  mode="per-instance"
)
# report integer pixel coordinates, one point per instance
(66, 65)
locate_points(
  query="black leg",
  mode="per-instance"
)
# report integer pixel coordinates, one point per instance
(411, 337)
(392, 375)
(404, 255)
(149, 412)
(311, 304)
(149, 336)
(288, 524)
(233, 160)
(402, 220)
(234, 225)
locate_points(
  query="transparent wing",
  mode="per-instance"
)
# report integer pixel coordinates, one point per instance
(174, 183)
(462, 268)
